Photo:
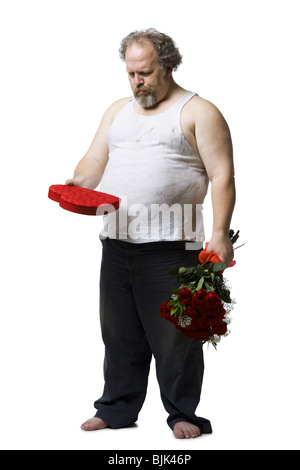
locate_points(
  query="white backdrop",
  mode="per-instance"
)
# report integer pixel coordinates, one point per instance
(60, 71)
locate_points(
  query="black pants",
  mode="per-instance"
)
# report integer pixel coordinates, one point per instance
(134, 282)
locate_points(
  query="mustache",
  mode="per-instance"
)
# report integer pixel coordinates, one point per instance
(143, 88)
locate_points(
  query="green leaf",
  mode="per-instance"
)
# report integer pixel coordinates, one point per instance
(173, 271)
(209, 287)
(177, 310)
(224, 294)
(175, 291)
(174, 310)
(200, 284)
(200, 269)
(182, 270)
(219, 267)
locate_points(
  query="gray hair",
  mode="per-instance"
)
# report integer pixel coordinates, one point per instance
(167, 52)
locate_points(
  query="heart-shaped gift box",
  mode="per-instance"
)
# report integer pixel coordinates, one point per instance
(83, 200)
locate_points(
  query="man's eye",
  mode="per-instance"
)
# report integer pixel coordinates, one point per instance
(142, 74)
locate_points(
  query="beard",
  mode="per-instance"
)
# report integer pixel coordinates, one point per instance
(148, 100)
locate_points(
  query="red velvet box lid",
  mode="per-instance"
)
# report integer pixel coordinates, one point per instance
(83, 200)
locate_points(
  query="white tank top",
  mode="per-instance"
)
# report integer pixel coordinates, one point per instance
(160, 179)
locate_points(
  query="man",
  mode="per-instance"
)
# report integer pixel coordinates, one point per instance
(160, 148)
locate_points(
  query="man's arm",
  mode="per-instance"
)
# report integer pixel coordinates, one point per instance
(215, 148)
(89, 171)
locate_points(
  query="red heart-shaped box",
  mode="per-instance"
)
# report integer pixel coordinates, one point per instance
(83, 200)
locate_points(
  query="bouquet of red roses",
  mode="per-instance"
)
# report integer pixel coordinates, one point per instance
(200, 307)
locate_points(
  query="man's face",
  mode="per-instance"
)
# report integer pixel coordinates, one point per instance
(148, 81)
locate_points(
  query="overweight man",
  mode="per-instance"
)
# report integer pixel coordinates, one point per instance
(158, 150)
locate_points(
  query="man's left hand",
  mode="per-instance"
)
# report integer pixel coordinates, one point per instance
(220, 244)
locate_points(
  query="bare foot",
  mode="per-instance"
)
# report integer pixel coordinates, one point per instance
(183, 430)
(94, 424)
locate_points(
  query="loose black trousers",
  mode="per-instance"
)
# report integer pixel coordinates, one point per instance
(134, 282)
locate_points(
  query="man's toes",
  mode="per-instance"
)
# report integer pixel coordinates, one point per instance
(195, 434)
(179, 435)
(87, 426)
(93, 424)
(185, 430)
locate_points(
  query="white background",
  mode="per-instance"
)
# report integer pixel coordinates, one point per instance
(60, 70)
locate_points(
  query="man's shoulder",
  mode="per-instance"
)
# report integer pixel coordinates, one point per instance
(116, 106)
(202, 110)
(199, 104)
(114, 109)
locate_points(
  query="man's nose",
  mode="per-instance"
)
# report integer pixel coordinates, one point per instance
(138, 79)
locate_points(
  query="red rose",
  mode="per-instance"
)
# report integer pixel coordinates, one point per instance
(200, 322)
(203, 322)
(191, 312)
(185, 295)
(198, 299)
(217, 317)
(165, 312)
(212, 305)
(212, 301)
(219, 330)
(202, 335)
